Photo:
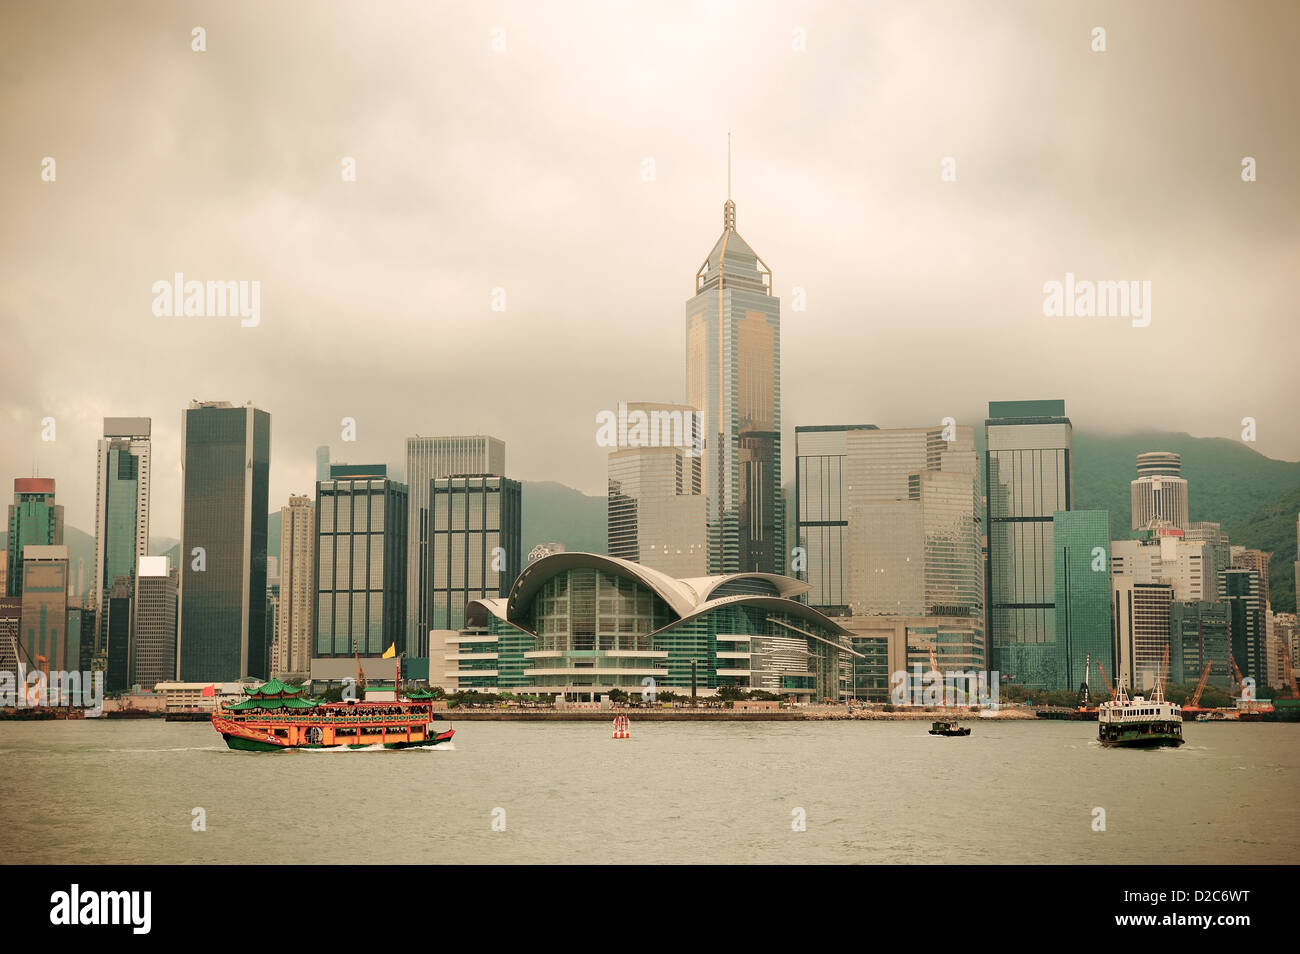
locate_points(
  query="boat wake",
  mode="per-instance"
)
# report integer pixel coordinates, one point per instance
(379, 747)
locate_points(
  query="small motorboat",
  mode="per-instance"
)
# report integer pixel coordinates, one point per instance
(945, 727)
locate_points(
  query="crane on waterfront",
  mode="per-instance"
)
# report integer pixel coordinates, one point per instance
(1236, 674)
(1083, 689)
(1200, 687)
(1289, 671)
(361, 673)
(1106, 681)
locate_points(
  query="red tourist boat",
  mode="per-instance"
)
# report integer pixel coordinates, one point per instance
(276, 716)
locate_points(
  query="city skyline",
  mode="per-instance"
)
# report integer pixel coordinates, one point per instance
(891, 261)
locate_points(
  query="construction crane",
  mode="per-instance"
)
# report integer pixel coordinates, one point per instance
(361, 673)
(1083, 689)
(1105, 679)
(1200, 687)
(1289, 671)
(1236, 674)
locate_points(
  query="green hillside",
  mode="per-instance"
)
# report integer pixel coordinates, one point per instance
(1253, 496)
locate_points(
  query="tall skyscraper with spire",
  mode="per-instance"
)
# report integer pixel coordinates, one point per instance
(733, 374)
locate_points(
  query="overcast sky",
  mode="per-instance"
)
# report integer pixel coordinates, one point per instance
(525, 169)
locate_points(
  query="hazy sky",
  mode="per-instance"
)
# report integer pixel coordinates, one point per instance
(524, 169)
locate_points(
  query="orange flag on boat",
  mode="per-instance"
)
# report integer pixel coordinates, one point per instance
(390, 652)
(210, 690)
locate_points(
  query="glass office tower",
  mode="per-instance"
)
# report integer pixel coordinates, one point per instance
(1081, 541)
(428, 458)
(469, 518)
(1028, 478)
(34, 518)
(1245, 621)
(733, 373)
(121, 506)
(226, 460)
(361, 523)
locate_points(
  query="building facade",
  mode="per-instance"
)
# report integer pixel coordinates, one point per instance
(44, 606)
(1028, 477)
(226, 459)
(1198, 636)
(153, 654)
(580, 625)
(656, 507)
(121, 504)
(1241, 592)
(888, 521)
(1164, 558)
(295, 618)
(1141, 619)
(34, 519)
(427, 459)
(1159, 493)
(475, 537)
(1083, 637)
(733, 375)
(360, 562)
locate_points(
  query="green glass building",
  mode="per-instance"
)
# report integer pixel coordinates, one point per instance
(1081, 573)
(35, 519)
(1198, 634)
(1028, 479)
(226, 460)
(361, 553)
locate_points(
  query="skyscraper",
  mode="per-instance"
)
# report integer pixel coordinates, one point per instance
(45, 605)
(34, 518)
(656, 513)
(1159, 494)
(474, 543)
(428, 458)
(1245, 622)
(153, 656)
(1198, 634)
(295, 615)
(226, 459)
(1081, 542)
(1028, 479)
(1165, 559)
(733, 374)
(1140, 614)
(121, 505)
(360, 572)
(888, 534)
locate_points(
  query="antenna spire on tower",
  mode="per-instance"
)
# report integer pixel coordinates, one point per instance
(729, 209)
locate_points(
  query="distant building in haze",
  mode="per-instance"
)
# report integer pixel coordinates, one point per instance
(226, 458)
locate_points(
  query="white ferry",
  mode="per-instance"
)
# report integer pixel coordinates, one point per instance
(1139, 722)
